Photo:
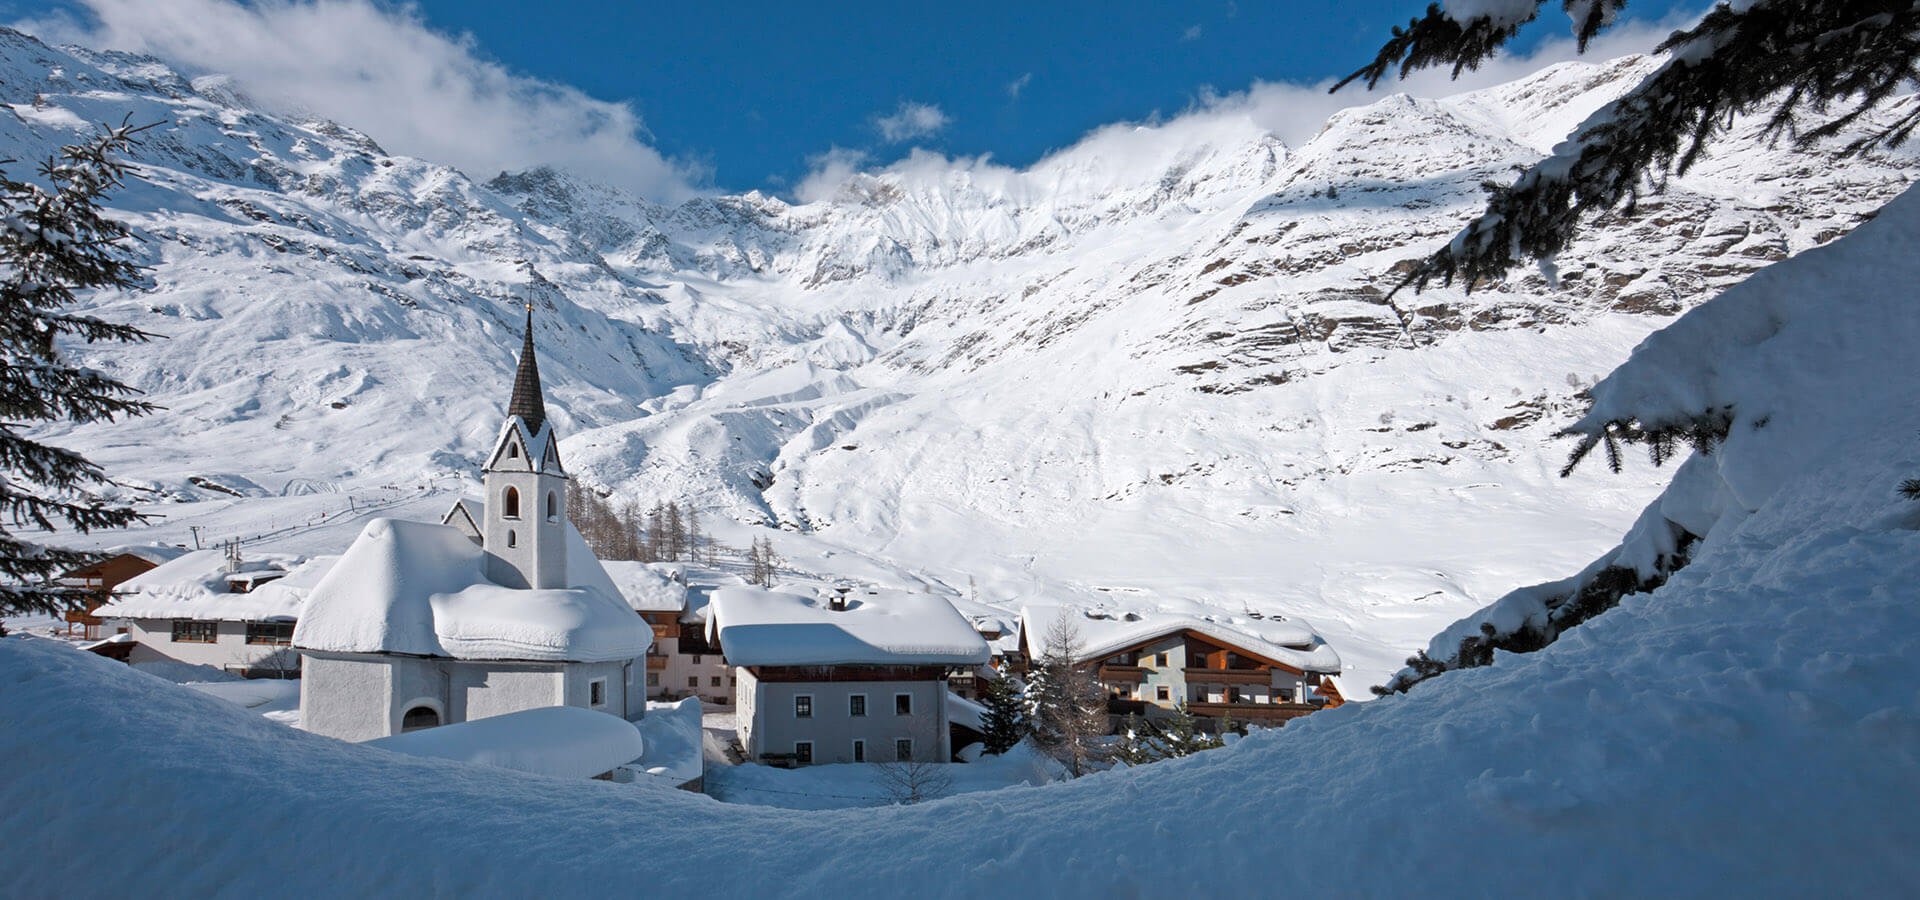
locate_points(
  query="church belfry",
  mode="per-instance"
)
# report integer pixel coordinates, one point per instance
(525, 532)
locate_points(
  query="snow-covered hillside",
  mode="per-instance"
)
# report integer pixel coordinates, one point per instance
(1158, 368)
(1748, 729)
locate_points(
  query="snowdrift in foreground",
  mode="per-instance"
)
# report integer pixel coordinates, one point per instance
(1751, 727)
(1808, 363)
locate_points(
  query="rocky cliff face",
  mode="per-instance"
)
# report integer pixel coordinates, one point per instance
(1162, 366)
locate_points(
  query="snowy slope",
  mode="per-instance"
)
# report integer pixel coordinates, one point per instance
(1157, 369)
(1749, 728)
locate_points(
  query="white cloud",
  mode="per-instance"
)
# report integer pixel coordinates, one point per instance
(1191, 34)
(1115, 154)
(381, 69)
(826, 172)
(1017, 85)
(912, 120)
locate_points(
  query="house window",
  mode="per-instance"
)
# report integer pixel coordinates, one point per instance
(696, 659)
(419, 717)
(1163, 693)
(859, 751)
(653, 679)
(597, 693)
(903, 749)
(803, 752)
(693, 681)
(513, 540)
(715, 681)
(1160, 660)
(803, 707)
(192, 631)
(1233, 695)
(513, 451)
(857, 705)
(553, 507)
(903, 704)
(510, 503)
(278, 634)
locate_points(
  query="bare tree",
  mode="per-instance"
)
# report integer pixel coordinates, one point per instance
(1067, 712)
(762, 562)
(915, 780)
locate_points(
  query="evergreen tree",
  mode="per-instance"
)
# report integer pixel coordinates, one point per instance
(1136, 743)
(1793, 60)
(55, 240)
(1003, 722)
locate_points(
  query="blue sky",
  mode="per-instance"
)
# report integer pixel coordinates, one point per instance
(743, 95)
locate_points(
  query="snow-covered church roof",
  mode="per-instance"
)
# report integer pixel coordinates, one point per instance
(775, 628)
(420, 589)
(647, 587)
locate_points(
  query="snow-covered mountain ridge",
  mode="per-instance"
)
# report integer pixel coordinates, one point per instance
(1158, 367)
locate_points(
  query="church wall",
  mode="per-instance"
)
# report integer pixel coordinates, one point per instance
(346, 697)
(416, 682)
(481, 689)
(579, 677)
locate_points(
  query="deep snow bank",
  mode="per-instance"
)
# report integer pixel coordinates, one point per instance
(1806, 364)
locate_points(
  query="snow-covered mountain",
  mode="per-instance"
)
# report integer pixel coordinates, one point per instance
(1160, 367)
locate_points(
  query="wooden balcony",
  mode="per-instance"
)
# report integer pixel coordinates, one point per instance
(1112, 674)
(1229, 676)
(656, 662)
(1252, 712)
(663, 631)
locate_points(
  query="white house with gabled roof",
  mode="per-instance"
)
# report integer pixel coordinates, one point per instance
(841, 679)
(499, 607)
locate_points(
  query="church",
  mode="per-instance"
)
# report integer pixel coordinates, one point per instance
(499, 607)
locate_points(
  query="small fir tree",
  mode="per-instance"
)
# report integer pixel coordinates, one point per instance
(1003, 722)
(55, 241)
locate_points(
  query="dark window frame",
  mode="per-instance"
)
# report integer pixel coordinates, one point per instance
(270, 634)
(803, 752)
(803, 706)
(901, 708)
(857, 705)
(195, 631)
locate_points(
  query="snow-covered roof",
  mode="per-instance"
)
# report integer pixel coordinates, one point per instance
(1102, 632)
(158, 554)
(674, 742)
(194, 586)
(646, 587)
(775, 628)
(562, 741)
(420, 589)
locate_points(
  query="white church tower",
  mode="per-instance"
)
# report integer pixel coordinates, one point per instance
(525, 519)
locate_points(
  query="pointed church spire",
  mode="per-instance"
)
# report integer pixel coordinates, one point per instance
(527, 402)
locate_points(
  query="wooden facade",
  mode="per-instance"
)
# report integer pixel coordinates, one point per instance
(88, 588)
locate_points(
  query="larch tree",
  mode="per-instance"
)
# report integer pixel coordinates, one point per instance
(1811, 69)
(56, 241)
(1066, 708)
